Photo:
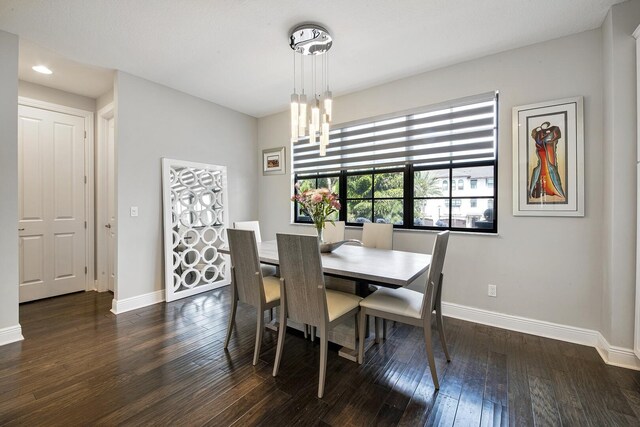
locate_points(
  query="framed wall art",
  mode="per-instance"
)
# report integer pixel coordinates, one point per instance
(548, 158)
(273, 161)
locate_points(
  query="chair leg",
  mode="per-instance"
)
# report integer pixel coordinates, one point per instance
(282, 329)
(439, 322)
(384, 329)
(443, 338)
(259, 330)
(232, 318)
(324, 344)
(305, 331)
(432, 362)
(361, 335)
(313, 333)
(377, 326)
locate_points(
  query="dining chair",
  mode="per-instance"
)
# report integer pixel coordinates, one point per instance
(411, 307)
(267, 270)
(248, 284)
(379, 236)
(375, 235)
(334, 232)
(304, 297)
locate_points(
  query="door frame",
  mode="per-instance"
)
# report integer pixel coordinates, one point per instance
(102, 245)
(89, 174)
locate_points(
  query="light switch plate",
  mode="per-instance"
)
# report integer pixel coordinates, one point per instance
(134, 211)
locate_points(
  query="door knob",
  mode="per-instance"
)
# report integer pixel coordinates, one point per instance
(20, 229)
(108, 226)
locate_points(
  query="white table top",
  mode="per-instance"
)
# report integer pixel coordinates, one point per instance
(379, 266)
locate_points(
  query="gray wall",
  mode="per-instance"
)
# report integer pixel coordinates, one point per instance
(154, 121)
(545, 268)
(620, 173)
(55, 96)
(8, 180)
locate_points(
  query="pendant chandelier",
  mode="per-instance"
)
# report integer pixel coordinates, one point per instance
(311, 116)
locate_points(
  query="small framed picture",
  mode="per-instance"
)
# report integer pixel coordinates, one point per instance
(548, 158)
(273, 161)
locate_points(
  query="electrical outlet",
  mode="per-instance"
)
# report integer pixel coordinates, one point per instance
(134, 211)
(492, 291)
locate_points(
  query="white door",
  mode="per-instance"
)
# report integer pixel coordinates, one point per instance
(111, 209)
(51, 218)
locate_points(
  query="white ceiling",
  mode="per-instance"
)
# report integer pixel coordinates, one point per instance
(236, 53)
(68, 75)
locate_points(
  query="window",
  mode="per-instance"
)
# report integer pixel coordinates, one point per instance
(376, 196)
(456, 203)
(400, 169)
(311, 182)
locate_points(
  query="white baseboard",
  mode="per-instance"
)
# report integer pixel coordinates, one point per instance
(11, 334)
(617, 356)
(128, 304)
(612, 355)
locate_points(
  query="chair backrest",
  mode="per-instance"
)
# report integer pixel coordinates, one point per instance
(301, 269)
(245, 262)
(435, 270)
(375, 235)
(334, 232)
(249, 225)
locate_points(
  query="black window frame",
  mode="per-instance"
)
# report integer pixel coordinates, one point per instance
(408, 196)
(409, 202)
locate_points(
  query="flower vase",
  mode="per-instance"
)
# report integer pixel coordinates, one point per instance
(320, 230)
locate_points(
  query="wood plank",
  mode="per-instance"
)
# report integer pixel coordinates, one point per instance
(81, 365)
(543, 402)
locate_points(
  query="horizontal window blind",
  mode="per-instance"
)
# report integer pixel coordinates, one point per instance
(458, 131)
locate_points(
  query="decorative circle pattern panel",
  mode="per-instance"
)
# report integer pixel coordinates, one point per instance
(198, 220)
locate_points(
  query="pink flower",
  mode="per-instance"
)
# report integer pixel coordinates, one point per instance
(316, 198)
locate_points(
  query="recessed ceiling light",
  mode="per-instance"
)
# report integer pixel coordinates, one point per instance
(42, 69)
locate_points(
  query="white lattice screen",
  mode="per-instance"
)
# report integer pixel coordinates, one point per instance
(195, 222)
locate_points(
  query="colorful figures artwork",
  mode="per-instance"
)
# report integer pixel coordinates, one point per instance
(545, 178)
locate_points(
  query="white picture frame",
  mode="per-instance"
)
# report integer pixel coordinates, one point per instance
(274, 161)
(548, 158)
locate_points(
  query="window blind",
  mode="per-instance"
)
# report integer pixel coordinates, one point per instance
(458, 131)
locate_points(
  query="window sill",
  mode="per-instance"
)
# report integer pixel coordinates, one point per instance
(407, 230)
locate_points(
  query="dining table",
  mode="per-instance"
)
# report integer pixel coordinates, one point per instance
(361, 266)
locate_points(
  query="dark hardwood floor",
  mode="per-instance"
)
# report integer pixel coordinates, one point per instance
(165, 365)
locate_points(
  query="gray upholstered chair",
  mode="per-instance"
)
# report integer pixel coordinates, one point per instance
(334, 232)
(267, 270)
(411, 307)
(305, 298)
(248, 284)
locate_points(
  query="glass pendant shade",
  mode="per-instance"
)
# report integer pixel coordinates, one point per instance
(328, 104)
(302, 120)
(295, 112)
(324, 136)
(315, 114)
(323, 150)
